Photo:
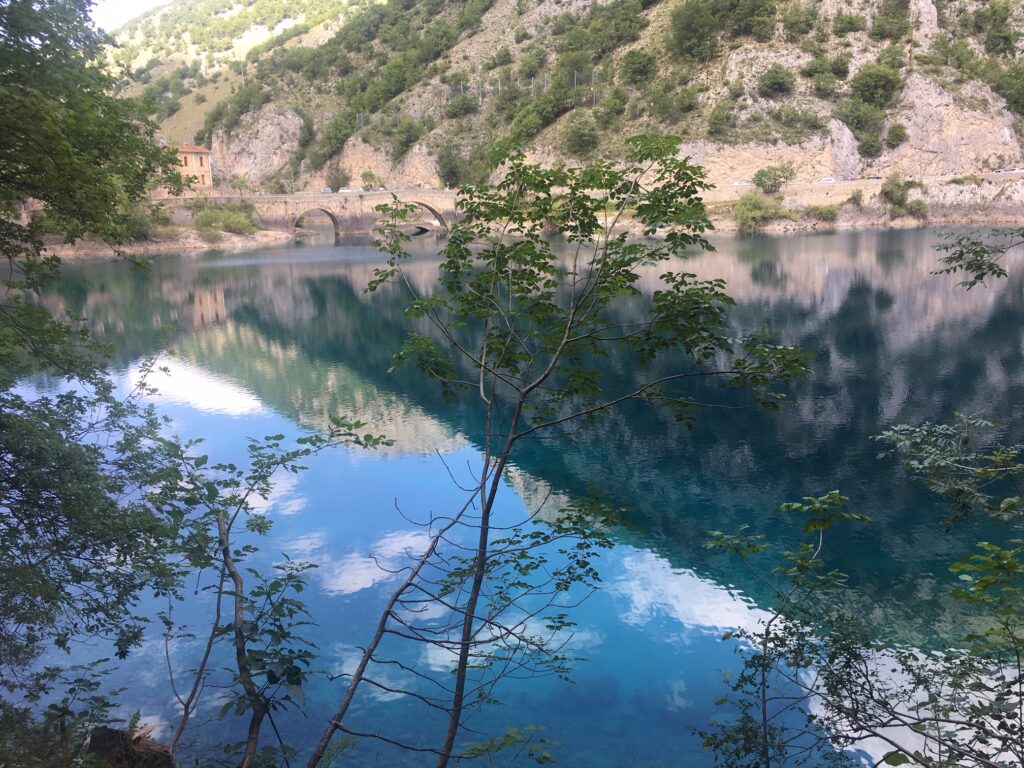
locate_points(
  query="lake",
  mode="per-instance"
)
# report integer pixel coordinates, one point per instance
(278, 341)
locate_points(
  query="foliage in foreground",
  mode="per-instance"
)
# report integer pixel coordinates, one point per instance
(813, 685)
(77, 537)
(525, 333)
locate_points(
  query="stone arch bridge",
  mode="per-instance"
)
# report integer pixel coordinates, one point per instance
(351, 213)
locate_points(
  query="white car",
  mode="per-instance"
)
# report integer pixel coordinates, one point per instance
(739, 183)
(826, 180)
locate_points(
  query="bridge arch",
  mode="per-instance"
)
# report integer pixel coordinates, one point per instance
(329, 214)
(433, 212)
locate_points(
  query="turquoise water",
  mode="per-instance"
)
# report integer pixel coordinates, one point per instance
(278, 341)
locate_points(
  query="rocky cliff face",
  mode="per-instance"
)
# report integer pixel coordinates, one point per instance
(951, 133)
(417, 169)
(263, 143)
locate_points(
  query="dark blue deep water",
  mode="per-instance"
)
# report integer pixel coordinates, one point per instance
(278, 341)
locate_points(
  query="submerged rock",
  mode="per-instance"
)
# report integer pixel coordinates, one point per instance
(120, 749)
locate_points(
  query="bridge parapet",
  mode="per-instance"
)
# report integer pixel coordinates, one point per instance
(351, 212)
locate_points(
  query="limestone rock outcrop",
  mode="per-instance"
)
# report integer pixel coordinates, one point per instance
(846, 161)
(260, 146)
(961, 133)
(418, 168)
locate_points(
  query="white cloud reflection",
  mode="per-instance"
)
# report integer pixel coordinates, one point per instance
(347, 662)
(305, 546)
(183, 383)
(356, 571)
(575, 640)
(283, 498)
(652, 588)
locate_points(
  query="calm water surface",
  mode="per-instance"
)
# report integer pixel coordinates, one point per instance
(281, 340)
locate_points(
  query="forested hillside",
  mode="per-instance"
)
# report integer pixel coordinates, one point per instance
(296, 94)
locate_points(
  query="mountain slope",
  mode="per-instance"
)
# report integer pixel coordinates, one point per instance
(323, 92)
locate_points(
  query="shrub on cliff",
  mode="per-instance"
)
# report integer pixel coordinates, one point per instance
(897, 135)
(896, 194)
(460, 106)
(776, 81)
(876, 84)
(826, 213)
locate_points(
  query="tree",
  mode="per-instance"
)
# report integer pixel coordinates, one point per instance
(774, 725)
(637, 67)
(980, 259)
(580, 136)
(68, 142)
(770, 179)
(262, 621)
(79, 530)
(695, 30)
(525, 334)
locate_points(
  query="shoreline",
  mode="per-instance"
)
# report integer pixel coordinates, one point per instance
(182, 240)
(725, 224)
(868, 218)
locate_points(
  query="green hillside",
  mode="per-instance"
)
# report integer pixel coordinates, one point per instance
(461, 77)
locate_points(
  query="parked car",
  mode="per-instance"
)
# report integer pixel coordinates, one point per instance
(326, 191)
(873, 178)
(826, 180)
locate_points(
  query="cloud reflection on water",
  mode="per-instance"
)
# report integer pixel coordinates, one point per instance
(652, 589)
(355, 571)
(179, 382)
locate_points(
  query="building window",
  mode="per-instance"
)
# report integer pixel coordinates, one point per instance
(200, 161)
(184, 160)
(202, 179)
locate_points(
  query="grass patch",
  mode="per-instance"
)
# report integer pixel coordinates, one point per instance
(963, 181)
